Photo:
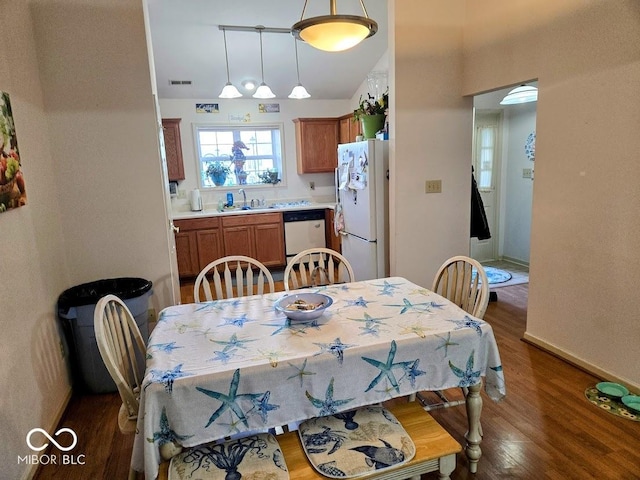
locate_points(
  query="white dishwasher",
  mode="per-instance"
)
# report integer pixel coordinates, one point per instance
(303, 229)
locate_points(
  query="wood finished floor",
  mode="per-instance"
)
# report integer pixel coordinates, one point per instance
(543, 429)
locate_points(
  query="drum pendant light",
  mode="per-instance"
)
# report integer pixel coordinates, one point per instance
(263, 91)
(229, 91)
(333, 32)
(298, 92)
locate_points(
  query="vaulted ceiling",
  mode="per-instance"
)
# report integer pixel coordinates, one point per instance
(188, 46)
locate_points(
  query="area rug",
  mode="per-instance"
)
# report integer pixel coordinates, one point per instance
(356, 443)
(608, 405)
(495, 275)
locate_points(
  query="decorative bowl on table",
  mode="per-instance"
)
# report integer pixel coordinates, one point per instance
(303, 306)
(632, 402)
(614, 391)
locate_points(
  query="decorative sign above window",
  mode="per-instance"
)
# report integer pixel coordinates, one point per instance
(12, 190)
(207, 108)
(530, 146)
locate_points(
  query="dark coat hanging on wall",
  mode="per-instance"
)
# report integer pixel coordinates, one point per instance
(479, 224)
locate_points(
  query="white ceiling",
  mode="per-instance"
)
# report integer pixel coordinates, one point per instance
(188, 45)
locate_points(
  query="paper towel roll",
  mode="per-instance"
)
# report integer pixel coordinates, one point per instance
(195, 200)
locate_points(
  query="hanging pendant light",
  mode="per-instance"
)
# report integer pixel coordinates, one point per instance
(229, 91)
(333, 32)
(263, 91)
(298, 92)
(521, 94)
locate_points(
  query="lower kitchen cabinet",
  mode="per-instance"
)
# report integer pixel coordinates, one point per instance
(198, 243)
(260, 236)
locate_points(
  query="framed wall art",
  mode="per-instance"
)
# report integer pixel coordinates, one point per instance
(12, 190)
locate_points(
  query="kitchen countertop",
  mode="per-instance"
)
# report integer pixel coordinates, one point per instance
(211, 211)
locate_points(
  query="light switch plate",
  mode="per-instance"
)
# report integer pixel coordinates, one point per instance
(527, 173)
(433, 186)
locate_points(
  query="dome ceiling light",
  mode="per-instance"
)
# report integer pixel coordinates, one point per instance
(333, 32)
(521, 94)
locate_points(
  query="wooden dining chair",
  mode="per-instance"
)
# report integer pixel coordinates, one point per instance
(233, 276)
(317, 266)
(463, 281)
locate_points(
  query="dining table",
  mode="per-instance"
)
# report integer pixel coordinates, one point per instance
(221, 368)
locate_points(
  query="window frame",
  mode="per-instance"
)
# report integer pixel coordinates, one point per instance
(237, 129)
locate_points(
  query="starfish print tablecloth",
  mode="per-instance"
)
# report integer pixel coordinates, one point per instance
(219, 368)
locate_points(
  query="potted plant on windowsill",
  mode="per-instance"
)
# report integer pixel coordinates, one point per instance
(217, 172)
(372, 113)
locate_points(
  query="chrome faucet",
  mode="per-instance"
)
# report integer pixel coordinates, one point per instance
(244, 198)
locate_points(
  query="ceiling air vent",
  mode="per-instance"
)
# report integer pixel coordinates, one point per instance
(179, 82)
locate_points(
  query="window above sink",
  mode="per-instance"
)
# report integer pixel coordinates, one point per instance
(243, 155)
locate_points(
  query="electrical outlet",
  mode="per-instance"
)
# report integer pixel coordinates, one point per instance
(312, 185)
(527, 173)
(433, 186)
(151, 313)
(182, 193)
(62, 352)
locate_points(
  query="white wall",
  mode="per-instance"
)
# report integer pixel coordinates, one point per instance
(431, 133)
(295, 187)
(585, 240)
(78, 77)
(519, 121)
(34, 383)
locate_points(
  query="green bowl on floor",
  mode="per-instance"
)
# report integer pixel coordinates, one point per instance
(632, 402)
(615, 391)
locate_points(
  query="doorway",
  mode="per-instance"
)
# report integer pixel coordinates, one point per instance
(504, 165)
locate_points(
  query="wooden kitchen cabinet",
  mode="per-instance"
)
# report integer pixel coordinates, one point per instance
(316, 144)
(198, 243)
(349, 129)
(173, 148)
(260, 236)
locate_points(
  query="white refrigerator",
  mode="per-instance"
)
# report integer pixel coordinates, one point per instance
(362, 190)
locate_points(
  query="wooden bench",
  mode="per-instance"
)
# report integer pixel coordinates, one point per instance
(435, 449)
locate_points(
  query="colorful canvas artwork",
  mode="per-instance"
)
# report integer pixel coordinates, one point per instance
(12, 190)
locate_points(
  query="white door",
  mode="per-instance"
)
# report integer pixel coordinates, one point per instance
(486, 167)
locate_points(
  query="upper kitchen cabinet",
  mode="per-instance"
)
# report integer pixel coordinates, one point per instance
(317, 144)
(348, 128)
(173, 148)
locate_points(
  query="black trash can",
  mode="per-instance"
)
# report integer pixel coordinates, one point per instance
(76, 308)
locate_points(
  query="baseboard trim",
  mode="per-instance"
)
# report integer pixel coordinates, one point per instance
(579, 363)
(33, 470)
(515, 261)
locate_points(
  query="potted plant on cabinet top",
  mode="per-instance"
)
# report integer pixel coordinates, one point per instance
(372, 113)
(218, 172)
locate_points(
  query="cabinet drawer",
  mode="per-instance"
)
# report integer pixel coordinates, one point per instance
(197, 223)
(251, 219)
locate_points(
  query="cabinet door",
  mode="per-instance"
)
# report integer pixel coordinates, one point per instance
(316, 144)
(209, 246)
(173, 148)
(269, 244)
(187, 254)
(239, 241)
(345, 129)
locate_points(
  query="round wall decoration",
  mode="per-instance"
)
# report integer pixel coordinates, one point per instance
(530, 146)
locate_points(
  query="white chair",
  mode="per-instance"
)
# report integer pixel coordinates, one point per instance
(236, 270)
(456, 281)
(463, 281)
(122, 349)
(315, 267)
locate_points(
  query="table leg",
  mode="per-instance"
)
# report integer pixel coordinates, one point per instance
(474, 435)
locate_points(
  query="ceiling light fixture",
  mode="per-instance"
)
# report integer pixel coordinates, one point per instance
(263, 91)
(249, 84)
(521, 94)
(229, 91)
(298, 92)
(333, 32)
